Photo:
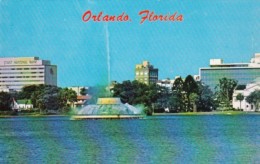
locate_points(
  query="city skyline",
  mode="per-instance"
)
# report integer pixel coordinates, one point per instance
(55, 31)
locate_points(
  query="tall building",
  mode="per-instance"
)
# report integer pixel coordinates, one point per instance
(146, 73)
(16, 72)
(244, 73)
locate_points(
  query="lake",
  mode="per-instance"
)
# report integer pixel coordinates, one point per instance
(155, 139)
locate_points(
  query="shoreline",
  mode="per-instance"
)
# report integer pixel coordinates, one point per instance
(33, 115)
(154, 114)
(206, 113)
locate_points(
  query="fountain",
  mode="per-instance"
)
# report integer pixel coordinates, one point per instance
(109, 108)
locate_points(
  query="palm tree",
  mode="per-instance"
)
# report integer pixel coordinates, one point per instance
(240, 98)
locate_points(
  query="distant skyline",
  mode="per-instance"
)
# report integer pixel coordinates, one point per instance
(54, 30)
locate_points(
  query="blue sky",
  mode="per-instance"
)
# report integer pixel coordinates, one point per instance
(54, 30)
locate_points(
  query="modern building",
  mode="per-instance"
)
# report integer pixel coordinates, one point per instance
(146, 73)
(244, 73)
(245, 90)
(17, 72)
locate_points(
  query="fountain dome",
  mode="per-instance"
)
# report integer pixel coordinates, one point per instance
(109, 108)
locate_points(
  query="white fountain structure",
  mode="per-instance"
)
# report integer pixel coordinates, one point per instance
(109, 107)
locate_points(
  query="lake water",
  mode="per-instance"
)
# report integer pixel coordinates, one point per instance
(156, 139)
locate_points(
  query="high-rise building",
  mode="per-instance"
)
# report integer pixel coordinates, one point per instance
(146, 73)
(244, 73)
(16, 72)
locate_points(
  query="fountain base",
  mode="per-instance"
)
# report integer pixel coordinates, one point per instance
(84, 117)
(108, 108)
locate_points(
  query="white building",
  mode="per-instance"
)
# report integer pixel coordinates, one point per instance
(78, 89)
(24, 104)
(167, 83)
(16, 72)
(245, 90)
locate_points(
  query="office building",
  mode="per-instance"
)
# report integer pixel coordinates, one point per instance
(244, 73)
(146, 73)
(17, 72)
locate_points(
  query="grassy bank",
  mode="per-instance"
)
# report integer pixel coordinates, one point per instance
(206, 113)
(7, 114)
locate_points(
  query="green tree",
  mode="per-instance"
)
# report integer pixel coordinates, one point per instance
(83, 91)
(205, 100)
(36, 96)
(176, 102)
(254, 98)
(193, 98)
(27, 91)
(50, 98)
(163, 98)
(177, 99)
(190, 87)
(178, 85)
(137, 93)
(66, 97)
(225, 90)
(240, 98)
(5, 101)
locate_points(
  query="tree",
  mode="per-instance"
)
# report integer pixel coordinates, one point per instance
(66, 96)
(177, 99)
(36, 96)
(27, 91)
(83, 91)
(240, 98)
(190, 87)
(176, 102)
(50, 98)
(254, 98)
(193, 98)
(178, 85)
(163, 97)
(137, 93)
(225, 90)
(205, 100)
(5, 101)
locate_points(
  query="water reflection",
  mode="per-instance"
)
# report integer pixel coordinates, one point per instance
(175, 139)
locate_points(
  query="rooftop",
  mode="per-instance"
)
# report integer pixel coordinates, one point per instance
(254, 62)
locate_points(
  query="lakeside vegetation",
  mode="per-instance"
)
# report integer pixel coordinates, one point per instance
(185, 96)
(46, 99)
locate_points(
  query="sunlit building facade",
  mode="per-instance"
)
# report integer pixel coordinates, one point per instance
(146, 73)
(17, 72)
(244, 73)
(245, 90)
